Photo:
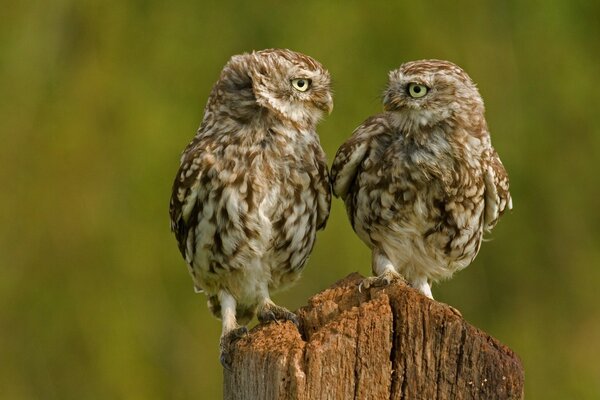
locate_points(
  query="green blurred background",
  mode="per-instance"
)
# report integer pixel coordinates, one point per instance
(99, 98)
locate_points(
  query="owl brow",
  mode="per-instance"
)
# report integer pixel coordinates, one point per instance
(306, 78)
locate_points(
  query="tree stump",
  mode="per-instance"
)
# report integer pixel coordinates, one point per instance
(383, 343)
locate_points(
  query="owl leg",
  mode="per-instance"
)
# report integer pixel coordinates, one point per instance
(231, 330)
(384, 271)
(269, 311)
(422, 285)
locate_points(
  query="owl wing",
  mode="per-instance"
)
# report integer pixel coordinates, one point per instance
(497, 195)
(186, 198)
(322, 186)
(351, 154)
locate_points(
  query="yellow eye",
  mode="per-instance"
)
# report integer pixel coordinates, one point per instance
(301, 84)
(416, 90)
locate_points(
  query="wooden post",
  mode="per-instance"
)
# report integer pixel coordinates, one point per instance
(384, 343)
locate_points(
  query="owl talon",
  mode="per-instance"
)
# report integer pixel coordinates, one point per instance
(267, 316)
(227, 342)
(385, 279)
(455, 311)
(273, 312)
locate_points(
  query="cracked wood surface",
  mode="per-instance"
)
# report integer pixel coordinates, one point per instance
(384, 343)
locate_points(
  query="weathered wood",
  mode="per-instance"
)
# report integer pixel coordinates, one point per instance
(384, 343)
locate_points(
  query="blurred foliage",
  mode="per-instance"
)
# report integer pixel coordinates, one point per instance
(99, 99)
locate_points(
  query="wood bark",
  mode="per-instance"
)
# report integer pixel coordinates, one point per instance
(383, 343)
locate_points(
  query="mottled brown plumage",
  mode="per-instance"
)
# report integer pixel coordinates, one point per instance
(421, 181)
(253, 186)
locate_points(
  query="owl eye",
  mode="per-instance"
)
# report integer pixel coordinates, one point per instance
(416, 90)
(301, 84)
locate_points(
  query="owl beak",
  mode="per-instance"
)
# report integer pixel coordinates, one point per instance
(325, 103)
(329, 104)
(387, 101)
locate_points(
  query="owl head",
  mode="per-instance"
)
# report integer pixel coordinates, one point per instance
(289, 85)
(425, 93)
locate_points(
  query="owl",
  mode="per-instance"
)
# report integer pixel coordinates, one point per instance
(253, 186)
(421, 181)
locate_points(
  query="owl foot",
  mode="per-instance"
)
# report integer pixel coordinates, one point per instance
(227, 342)
(273, 312)
(384, 279)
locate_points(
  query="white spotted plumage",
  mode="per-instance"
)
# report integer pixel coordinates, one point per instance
(253, 187)
(421, 181)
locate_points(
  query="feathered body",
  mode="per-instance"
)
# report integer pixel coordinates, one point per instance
(421, 181)
(253, 186)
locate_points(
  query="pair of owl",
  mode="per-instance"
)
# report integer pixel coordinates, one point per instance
(421, 182)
